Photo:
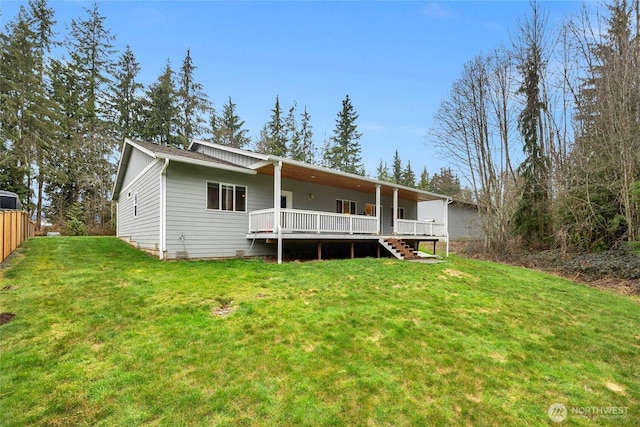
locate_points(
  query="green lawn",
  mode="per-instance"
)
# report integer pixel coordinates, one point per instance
(108, 335)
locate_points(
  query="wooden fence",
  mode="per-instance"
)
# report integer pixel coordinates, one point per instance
(15, 227)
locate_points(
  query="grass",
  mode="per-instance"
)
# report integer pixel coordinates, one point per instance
(106, 335)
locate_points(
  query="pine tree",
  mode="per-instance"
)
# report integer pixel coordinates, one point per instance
(532, 218)
(273, 138)
(446, 182)
(344, 151)
(90, 48)
(396, 169)
(382, 172)
(126, 102)
(27, 114)
(308, 150)
(192, 103)
(408, 176)
(293, 135)
(161, 110)
(425, 183)
(229, 128)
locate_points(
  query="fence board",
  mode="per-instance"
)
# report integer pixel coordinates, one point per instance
(15, 227)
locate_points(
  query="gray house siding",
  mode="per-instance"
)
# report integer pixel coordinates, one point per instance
(227, 156)
(464, 223)
(144, 227)
(137, 162)
(464, 220)
(324, 199)
(208, 233)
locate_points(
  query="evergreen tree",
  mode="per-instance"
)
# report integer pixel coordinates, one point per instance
(425, 183)
(446, 182)
(532, 219)
(408, 176)
(27, 113)
(161, 110)
(90, 48)
(273, 138)
(307, 149)
(396, 169)
(293, 135)
(344, 151)
(229, 128)
(126, 103)
(192, 103)
(382, 172)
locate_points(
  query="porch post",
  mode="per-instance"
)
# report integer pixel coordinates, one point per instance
(378, 224)
(277, 185)
(395, 211)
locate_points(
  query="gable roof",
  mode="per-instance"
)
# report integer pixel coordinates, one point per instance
(157, 151)
(263, 164)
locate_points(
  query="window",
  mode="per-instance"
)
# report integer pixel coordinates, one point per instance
(135, 205)
(400, 214)
(346, 206)
(226, 197)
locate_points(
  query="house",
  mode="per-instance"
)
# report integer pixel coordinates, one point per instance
(214, 201)
(463, 218)
(9, 201)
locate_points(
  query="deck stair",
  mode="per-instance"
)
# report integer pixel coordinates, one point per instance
(399, 248)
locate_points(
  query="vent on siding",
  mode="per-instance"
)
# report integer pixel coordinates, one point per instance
(239, 253)
(182, 255)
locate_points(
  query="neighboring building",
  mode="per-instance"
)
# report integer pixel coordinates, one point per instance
(10, 201)
(463, 218)
(214, 201)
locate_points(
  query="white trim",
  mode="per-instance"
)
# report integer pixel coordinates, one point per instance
(394, 216)
(207, 164)
(140, 175)
(277, 188)
(378, 209)
(220, 184)
(229, 149)
(289, 196)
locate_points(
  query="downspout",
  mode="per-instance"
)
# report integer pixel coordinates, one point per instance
(163, 210)
(446, 225)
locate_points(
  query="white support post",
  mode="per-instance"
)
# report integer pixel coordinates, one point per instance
(277, 186)
(395, 211)
(378, 210)
(446, 225)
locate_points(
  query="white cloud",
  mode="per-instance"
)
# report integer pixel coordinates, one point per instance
(436, 10)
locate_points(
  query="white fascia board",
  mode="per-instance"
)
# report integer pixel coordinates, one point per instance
(206, 164)
(125, 148)
(275, 159)
(257, 156)
(260, 164)
(144, 150)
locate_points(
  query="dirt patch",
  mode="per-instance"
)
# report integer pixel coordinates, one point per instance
(8, 288)
(616, 388)
(224, 308)
(6, 317)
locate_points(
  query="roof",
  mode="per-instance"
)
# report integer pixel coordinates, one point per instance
(263, 165)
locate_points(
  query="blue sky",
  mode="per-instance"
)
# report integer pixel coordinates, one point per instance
(396, 60)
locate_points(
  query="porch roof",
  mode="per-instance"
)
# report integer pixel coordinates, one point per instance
(304, 172)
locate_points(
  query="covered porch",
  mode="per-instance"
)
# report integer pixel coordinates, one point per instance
(319, 190)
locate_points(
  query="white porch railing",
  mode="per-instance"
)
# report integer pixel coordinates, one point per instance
(294, 220)
(420, 228)
(303, 221)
